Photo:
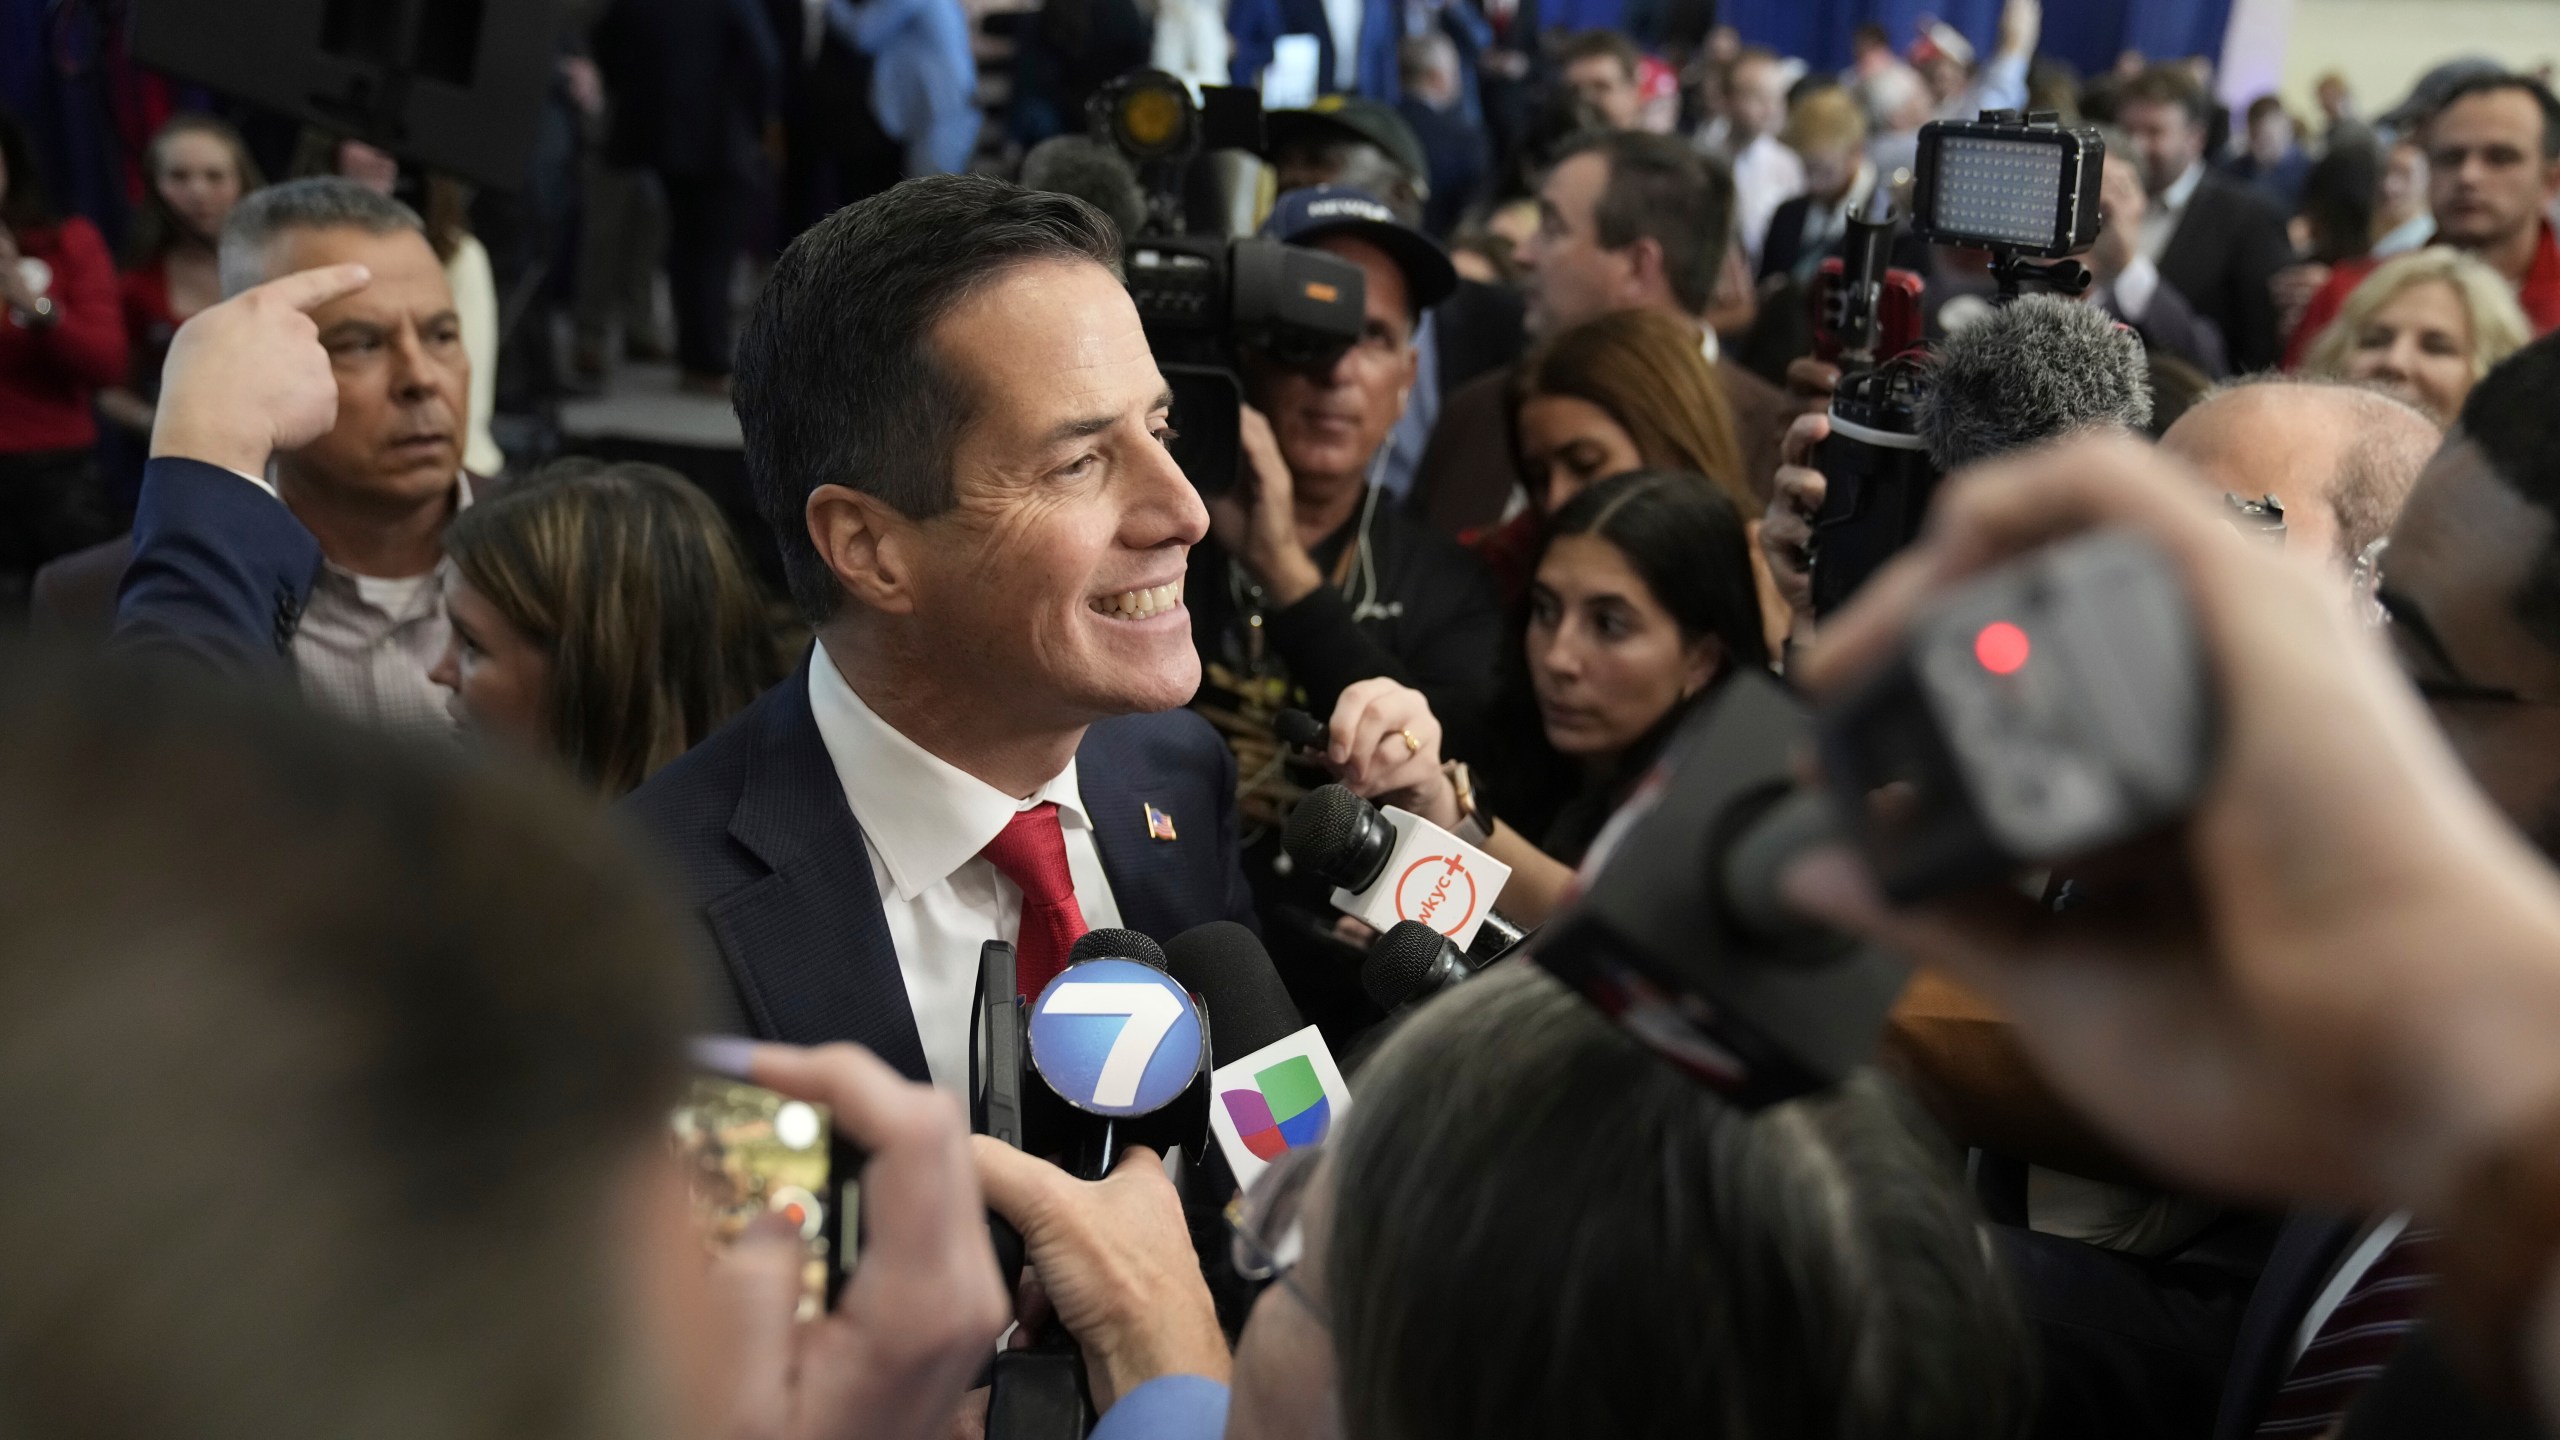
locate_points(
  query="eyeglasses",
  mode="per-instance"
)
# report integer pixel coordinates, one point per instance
(1269, 1237)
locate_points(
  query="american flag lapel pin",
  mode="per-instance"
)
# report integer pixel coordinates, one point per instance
(1159, 824)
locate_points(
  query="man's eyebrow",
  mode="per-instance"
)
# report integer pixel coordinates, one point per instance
(1067, 430)
(2409, 620)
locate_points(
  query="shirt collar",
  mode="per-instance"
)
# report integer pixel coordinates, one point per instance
(2175, 198)
(926, 816)
(329, 567)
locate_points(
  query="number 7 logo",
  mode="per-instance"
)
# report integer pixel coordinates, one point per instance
(1152, 1011)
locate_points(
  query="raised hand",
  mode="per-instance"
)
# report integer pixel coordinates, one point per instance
(248, 377)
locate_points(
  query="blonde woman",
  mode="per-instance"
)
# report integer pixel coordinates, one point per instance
(2427, 326)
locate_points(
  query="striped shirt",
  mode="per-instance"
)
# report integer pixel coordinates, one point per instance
(365, 646)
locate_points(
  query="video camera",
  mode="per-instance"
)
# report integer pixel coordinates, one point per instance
(2049, 711)
(1205, 298)
(2023, 187)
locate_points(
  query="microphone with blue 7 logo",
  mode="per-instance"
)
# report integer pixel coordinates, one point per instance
(1115, 1054)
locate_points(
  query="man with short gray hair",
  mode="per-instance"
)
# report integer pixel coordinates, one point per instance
(376, 491)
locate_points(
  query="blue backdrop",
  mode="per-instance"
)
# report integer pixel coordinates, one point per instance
(2088, 33)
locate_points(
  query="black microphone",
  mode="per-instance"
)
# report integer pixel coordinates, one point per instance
(1340, 837)
(1116, 945)
(1389, 865)
(1411, 962)
(1249, 1013)
(1249, 1007)
(1300, 729)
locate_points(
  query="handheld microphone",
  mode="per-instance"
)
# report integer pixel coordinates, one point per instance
(1389, 865)
(1116, 945)
(1298, 728)
(2034, 370)
(1410, 962)
(1277, 1086)
(1111, 1053)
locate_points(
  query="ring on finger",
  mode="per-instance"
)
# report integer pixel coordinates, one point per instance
(1411, 745)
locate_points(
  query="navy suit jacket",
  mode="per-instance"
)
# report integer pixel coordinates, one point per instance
(775, 869)
(219, 575)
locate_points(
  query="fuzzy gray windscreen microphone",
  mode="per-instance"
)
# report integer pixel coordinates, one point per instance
(1092, 172)
(2035, 370)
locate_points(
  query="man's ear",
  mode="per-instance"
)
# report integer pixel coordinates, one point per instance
(1645, 273)
(867, 544)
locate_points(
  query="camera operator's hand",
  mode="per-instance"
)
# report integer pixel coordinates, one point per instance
(1786, 527)
(2347, 984)
(1368, 750)
(1257, 521)
(1811, 383)
(1115, 1259)
(248, 377)
(923, 1306)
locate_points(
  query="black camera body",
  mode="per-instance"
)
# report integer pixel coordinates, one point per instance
(2051, 710)
(1206, 299)
(2017, 185)
(1878, 478)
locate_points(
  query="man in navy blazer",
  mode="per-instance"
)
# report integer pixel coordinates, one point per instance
(957, 431)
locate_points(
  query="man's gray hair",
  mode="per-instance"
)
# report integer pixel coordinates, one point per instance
(2035, 370)
(322, 202)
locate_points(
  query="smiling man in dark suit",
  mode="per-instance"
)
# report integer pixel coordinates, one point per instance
(957, 431)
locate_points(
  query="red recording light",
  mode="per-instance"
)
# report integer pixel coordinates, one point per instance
(2002, 648)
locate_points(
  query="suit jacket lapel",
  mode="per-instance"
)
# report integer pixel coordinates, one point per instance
(807, 943)
(1146, 874)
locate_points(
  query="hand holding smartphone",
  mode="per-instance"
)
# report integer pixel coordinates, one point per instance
(749, 1151)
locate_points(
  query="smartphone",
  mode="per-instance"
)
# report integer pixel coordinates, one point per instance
(748, 1151)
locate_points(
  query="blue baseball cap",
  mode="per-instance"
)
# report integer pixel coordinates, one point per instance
(1304, 216)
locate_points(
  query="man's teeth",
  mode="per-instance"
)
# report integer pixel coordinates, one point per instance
(1139, 604)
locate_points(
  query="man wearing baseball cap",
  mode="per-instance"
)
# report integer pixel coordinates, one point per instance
(1313, 578)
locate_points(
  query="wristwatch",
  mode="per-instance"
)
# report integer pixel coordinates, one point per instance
(1474, 826)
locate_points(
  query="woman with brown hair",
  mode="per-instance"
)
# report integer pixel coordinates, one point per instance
(1631, 390)
(603, 615)
(194, 171)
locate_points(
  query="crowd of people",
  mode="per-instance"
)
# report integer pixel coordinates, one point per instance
(384, 812)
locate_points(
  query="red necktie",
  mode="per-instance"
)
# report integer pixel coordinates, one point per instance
(1032, 853)
(2356, 1341)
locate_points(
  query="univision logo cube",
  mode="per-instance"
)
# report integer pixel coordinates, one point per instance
(1114, 1037)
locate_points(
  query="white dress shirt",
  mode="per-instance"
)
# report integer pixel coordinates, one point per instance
(1766, 175)
(2133, 291)
(924, 820)
(2160, 222)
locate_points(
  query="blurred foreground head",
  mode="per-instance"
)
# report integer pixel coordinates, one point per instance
(327, 1067)
(1536, 1228)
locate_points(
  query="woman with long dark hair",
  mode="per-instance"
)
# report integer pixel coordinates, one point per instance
(1642, 600)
